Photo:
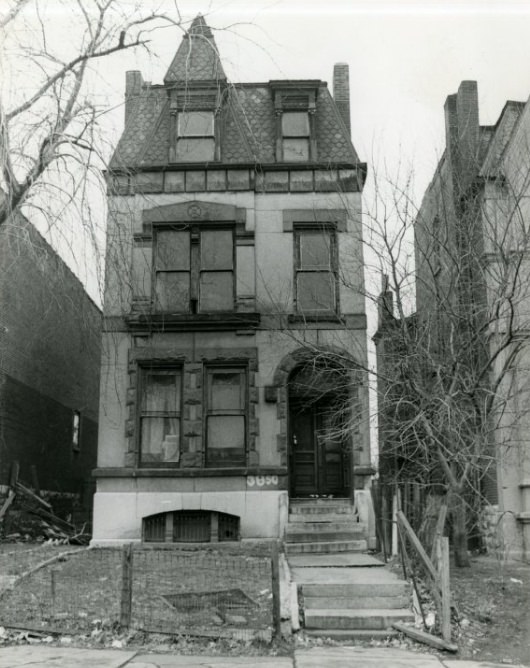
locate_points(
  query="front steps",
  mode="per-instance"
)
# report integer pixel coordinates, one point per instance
(345, 593)
(324, 525)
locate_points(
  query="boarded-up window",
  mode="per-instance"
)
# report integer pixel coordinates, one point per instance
(160, 410)
(216, 290)
(315, 267)
(194, 272)
(226, 405)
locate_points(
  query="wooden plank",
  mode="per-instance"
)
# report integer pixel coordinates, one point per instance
(24, 490)
(443, 567)
(7, 503)
(126, 586)
(439, 530)
(417, 545)
(13, 476)
(276, 613)
(425, 638)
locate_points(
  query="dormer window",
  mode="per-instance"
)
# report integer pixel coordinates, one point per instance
(295, 108)
(195, 136)
(295, 136)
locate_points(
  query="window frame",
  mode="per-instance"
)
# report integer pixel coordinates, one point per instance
(195, 136)
(195, 270)
(76, 430)
(209, 371)
(162, 368)
(287, 136)
(298, 231)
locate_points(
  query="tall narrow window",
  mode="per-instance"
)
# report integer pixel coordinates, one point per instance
(295, 134)
(216, 290)
(226, 406)
(315, 267)
(172, 268)
(160, 411)
(195, 136)
(76, 429)
(194, 271)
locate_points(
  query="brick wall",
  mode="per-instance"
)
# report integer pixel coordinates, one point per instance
(49, 362)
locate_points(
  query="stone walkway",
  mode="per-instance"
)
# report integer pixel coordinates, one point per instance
(318, 657)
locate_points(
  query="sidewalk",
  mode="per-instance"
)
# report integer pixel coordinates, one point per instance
(318, 657)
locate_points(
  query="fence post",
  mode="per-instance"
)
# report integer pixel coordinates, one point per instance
(276, 610)
(53, 583)
(126, 586)
(443, 569)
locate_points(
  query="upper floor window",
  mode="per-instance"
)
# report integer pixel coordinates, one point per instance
(195, 136)
(316, 271)
(160, 411)
(194, 270)
(295, 136)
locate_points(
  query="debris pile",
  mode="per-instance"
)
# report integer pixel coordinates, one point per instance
(25, 513)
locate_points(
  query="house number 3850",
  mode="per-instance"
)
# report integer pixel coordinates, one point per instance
(262, 480)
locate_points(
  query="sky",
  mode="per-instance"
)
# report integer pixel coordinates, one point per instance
(404, 57)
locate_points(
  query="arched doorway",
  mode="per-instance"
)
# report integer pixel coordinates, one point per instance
(320, 459)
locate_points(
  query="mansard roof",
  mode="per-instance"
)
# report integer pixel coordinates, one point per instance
(245, 112)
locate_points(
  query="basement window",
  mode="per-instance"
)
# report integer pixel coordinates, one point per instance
(190, 526)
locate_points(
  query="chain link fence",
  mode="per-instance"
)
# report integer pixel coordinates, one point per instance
(197, 592)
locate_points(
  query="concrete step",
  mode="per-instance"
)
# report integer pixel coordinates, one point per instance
(338, 560)
(326, 546)
(351, 634)
(370, 618)
(320, 507)
(358, 602)
(358, 589)
(311, 523)
(325, 536)
(319, 518)
(295, 528)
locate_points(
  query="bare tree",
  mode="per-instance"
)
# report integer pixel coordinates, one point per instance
(53, 142)
(450, 400)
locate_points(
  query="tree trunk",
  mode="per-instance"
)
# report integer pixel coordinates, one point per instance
(460, 532)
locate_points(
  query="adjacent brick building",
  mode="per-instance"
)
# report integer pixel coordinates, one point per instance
(472, 291)
(49, 365)
(234, 317)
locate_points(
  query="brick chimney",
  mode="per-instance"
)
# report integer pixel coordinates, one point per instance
(341, 92)
(462, 132)
(133, 88)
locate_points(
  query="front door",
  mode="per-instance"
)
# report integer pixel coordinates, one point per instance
(317, 455)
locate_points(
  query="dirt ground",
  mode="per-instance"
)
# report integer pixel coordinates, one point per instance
(493, 599)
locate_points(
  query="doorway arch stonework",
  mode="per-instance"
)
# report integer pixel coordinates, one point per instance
(296, 359)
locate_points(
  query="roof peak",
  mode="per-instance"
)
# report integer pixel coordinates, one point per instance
(197, 57)
(199, 27)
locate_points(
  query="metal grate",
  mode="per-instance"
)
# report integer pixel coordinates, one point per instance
(154, 528)
(191, 526)
(228, 527)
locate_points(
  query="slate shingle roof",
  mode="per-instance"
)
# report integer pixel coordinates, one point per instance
(197, 58)
(247, 117)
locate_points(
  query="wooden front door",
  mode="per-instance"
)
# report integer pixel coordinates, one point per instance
(317, 459)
